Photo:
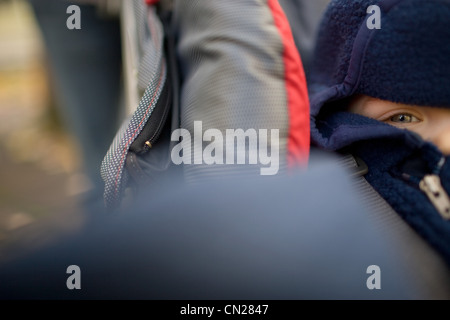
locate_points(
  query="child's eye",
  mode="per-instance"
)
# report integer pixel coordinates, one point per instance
(404, 118)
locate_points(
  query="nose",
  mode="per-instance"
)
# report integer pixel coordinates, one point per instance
(442, 140)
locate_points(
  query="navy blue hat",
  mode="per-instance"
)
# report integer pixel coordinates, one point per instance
(407, 60)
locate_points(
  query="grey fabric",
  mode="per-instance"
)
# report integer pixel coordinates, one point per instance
(304, 17)
(233, 74)
(152, 76)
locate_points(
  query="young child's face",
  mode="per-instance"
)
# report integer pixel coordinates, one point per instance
(433, 124)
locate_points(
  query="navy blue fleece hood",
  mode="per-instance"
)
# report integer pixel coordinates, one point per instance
(407, 60)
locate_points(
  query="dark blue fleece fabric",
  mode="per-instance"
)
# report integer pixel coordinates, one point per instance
(389, 159)
(404, 195)
(411, 69)
(407, 61)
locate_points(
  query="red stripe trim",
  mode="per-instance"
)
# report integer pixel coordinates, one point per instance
(297, 93)
(151, 2)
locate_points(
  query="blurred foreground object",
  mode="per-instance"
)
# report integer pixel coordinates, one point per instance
(273, 238)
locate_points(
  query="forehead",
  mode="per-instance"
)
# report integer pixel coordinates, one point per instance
(365, 104)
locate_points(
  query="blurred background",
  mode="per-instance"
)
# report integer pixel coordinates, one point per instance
(49, 126)
(40, 164)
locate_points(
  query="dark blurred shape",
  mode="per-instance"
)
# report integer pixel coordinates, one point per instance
(86, 76)
(304, 17)
(275, 238)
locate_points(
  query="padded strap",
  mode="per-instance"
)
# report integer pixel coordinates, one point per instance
(149, 65)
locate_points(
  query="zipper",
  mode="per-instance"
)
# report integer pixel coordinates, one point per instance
(431, 185)
(157, 121)
(165, 15)
(148, 144)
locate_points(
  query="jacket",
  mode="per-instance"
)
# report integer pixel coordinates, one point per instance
(392, 64)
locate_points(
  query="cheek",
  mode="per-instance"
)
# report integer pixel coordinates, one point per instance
(422, 129)
(442, 140)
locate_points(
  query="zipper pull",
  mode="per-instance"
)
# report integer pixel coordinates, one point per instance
(431, 185)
